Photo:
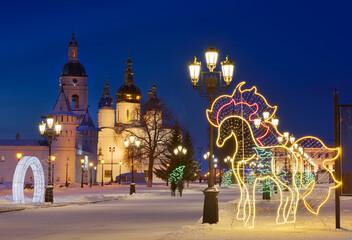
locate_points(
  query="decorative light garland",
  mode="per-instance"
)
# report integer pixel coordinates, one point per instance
(226, 178)
(176, 174)
(18, 180)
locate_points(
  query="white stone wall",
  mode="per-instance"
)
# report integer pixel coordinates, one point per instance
(127, 112)
(8, 160)
(106, 118)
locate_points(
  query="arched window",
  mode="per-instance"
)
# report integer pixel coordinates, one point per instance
(75, 100)
(74, 53)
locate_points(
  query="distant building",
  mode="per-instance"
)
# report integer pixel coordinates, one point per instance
(313, 160)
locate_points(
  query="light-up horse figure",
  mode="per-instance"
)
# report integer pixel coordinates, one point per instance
(258, 150)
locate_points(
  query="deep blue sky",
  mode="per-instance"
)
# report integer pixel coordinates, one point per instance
(295, 52)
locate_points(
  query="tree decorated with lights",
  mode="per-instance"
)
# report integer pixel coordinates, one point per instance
(308, 176)
(176, 174)
(180, 152)
(251, 177)
(226, 178)
(263, 168)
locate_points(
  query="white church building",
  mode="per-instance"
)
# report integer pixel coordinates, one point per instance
(126, 115)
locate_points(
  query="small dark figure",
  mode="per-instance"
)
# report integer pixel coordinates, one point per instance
(173, 188)
(180, 187)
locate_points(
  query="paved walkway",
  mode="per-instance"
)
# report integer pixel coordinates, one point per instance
(142, 219)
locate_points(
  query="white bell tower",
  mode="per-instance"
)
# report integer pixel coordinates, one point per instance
(73, 80)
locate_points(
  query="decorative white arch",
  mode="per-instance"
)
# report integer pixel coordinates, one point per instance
(18, 180)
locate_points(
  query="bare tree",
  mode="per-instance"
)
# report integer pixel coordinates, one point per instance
(153, 130)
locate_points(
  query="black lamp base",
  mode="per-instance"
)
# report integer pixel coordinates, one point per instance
(49, 194)
(211, 208)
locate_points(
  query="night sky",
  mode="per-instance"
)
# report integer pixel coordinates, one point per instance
(295, 52)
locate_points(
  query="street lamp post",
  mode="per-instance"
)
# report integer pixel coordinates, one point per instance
(90, 173)
(131, 144)
(102, 172)
(211, 86)
(206, 157)
(180, 149)
(50, 131)
(167, 179)
(66, 180)
(101, 160)
(291, 140)
(95, 175)
(82, 165)
(53, 158)
(120, 163)
(112, 150)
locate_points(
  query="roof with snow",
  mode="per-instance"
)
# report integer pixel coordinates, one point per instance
(62, 106)
(87, 123)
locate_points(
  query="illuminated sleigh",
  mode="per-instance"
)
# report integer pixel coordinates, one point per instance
(268, 156)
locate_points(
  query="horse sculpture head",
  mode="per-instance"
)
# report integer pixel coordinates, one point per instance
(239, 128)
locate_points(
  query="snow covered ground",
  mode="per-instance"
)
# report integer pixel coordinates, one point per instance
(109, 212)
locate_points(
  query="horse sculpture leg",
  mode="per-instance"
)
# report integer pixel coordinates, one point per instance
(291, 215)
(241, 207)
(280, 219)
(291, 218)
(242, 203)
(251, 200)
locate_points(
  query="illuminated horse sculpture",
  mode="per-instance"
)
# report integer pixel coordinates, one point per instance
(246, 153)
(258, 149)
